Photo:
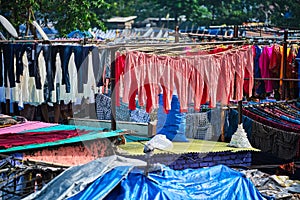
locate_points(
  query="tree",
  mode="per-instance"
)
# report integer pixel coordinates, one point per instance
(66, 15)
(84, 14)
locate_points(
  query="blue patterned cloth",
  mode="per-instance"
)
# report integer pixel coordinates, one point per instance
(140, 116)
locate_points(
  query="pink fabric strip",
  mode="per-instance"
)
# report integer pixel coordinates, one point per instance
(29, 125)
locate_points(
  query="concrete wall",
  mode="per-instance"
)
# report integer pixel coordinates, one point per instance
(139, 128)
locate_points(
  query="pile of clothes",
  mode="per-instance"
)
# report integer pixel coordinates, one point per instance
(274, 186)
(6, 120)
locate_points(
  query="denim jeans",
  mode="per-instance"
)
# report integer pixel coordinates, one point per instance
(8, 55)
(81, 62)
(65, 52)
(97, 67)
(1, 65)
(19, 50)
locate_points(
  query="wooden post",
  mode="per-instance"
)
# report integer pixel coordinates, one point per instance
(240, 111)
(284, 85)
(236, 31)
(240, 103)
(113, 83)
(176, 34)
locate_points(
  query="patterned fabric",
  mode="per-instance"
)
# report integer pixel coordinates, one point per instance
(103, 109)
(139, 115)
(198, 126)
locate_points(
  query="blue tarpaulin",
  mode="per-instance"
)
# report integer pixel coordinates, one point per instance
(218, 182)
(172, 125)
(122, 178)
(80, 34)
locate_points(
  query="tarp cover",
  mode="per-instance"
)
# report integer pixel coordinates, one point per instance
(125, 182)
(76, 179)
(218, 182)
(172, 124)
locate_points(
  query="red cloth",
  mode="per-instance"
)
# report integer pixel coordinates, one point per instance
(119, 70)
(19, 139)
(210, 76)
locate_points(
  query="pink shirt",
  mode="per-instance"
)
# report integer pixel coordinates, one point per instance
(197, 78)
(264, 63)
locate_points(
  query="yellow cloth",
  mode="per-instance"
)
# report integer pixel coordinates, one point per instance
(199, 146)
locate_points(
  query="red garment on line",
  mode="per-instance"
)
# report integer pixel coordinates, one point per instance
(264, 65)
(119, 70)
(197, 79)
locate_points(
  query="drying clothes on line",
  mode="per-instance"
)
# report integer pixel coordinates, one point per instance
(103, 109)
(264, 63)
(198, 126)
(216, 119)
(259, 85)
(298, 62)
(120, 65)
(196, 78)
(291, 72)
(273, 117)
(139, 115)
(39, 73)
(231, 124)
(281, 143)
(269, 63)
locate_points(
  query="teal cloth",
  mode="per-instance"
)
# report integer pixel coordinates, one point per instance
(85, 137)
(65, 128)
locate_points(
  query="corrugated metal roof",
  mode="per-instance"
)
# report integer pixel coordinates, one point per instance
(121, 19)
(199, 146)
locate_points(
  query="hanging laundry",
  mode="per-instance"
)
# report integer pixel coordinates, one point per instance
(264, 63)
(103, 109)
(196, 79)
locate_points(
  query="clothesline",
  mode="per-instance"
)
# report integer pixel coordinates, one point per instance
(81, 41)
(160, 46)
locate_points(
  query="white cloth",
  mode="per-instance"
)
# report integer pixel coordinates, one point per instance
(239, 138)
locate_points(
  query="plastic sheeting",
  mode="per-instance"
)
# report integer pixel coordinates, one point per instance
(172, 124)
(77, 178)
(103, 185)
(116, 177)
(218, 182)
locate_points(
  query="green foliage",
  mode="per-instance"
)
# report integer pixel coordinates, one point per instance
(83, 14)
(66, 15)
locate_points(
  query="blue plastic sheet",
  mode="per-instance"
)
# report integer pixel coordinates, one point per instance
(103, 185)
(218, 182)
(172, 124)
